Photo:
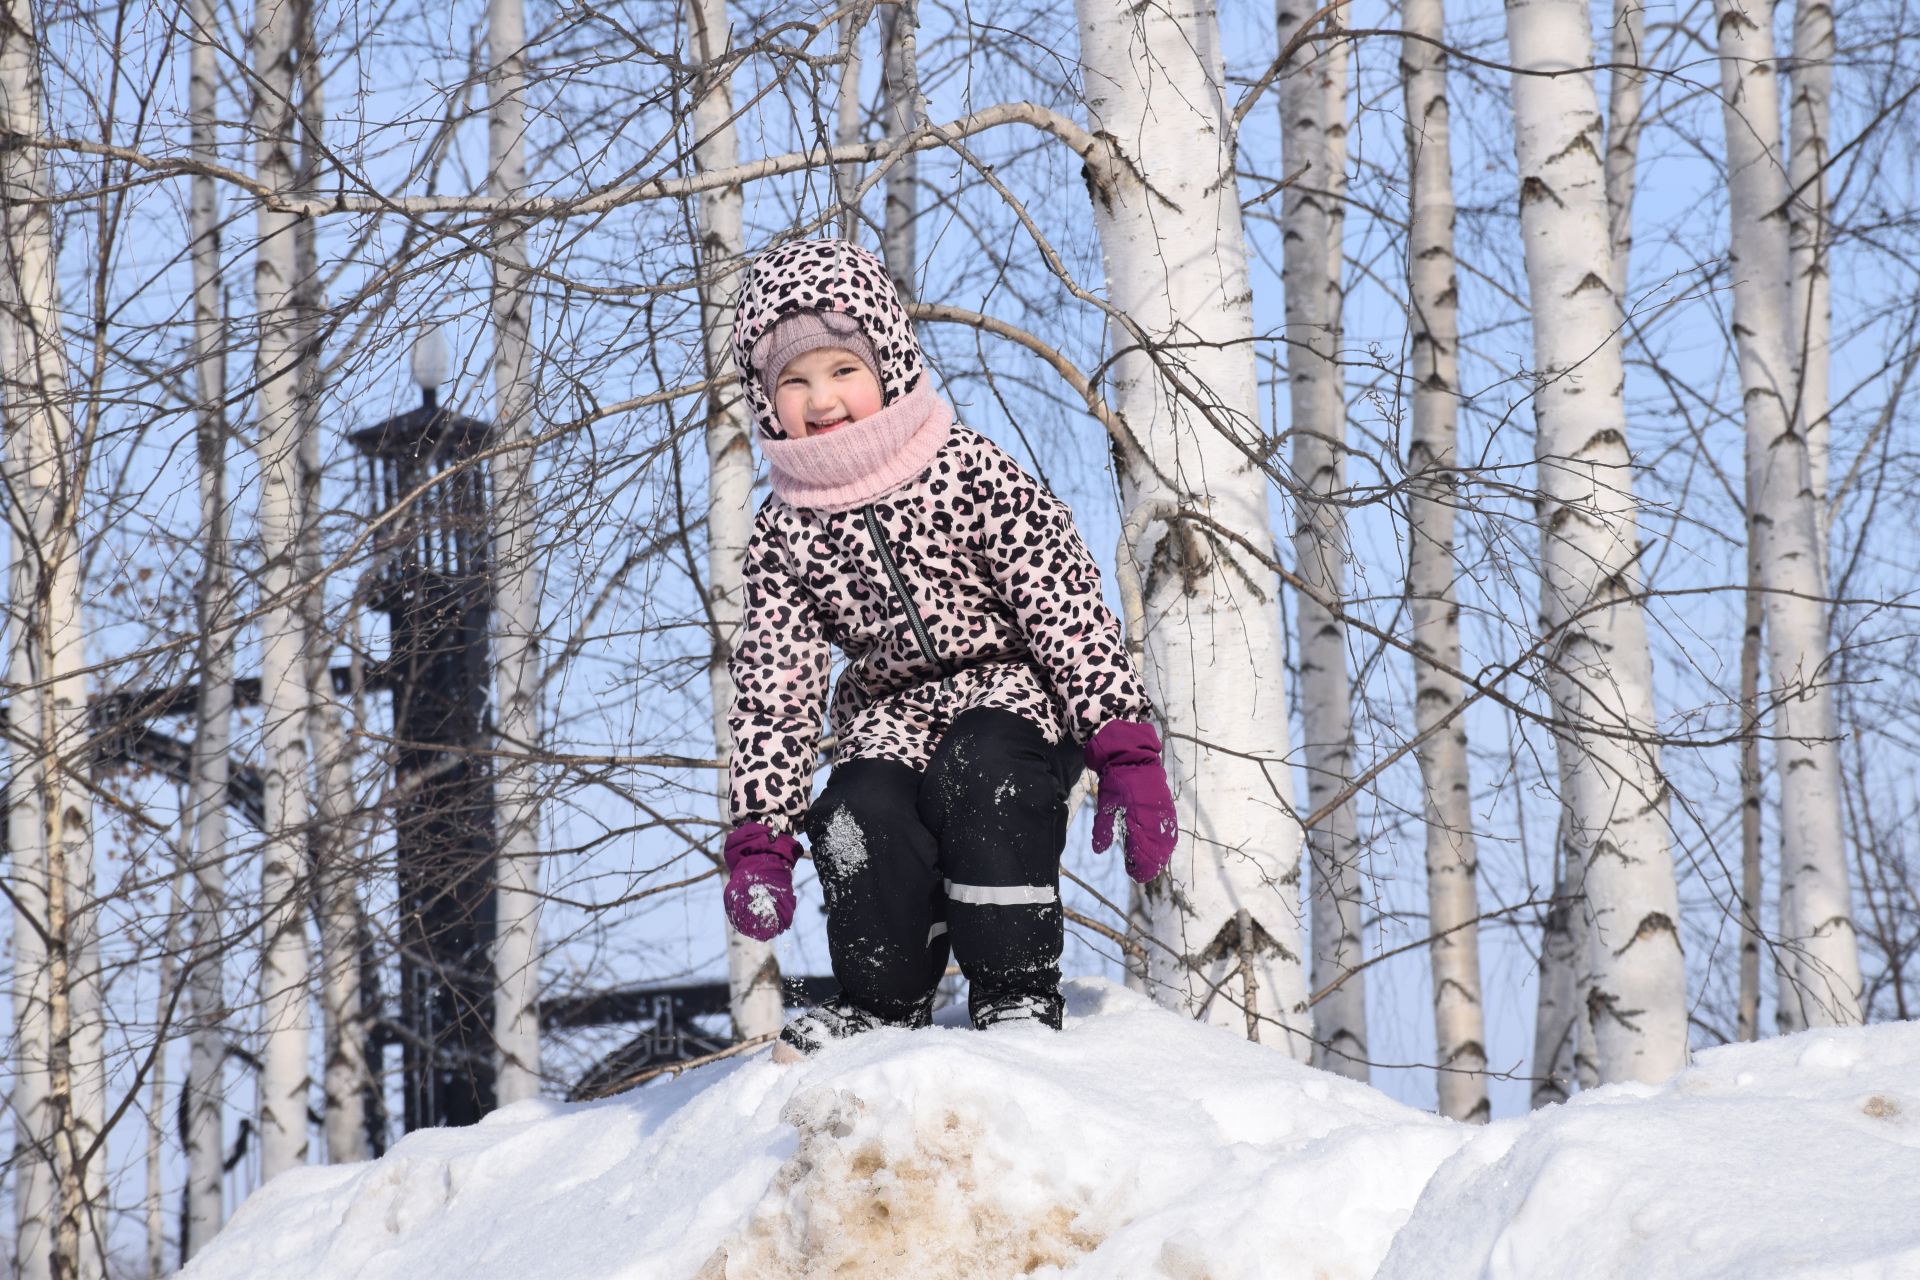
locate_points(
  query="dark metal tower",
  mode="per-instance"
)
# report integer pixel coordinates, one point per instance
(430, 487)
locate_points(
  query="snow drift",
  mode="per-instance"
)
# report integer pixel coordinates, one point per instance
(1138, 1144)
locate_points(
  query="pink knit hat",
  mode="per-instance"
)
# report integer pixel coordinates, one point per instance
(802, 331)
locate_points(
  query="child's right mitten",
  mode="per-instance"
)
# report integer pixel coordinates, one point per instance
(759, 894)
(1133, 788)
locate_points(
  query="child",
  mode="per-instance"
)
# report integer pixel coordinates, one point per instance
(980, 658)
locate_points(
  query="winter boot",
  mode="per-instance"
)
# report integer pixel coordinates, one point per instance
(1017, 1009)
(839, 1019)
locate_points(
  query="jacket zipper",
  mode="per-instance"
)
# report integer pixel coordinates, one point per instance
(919, 624)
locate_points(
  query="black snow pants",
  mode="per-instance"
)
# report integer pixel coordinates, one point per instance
(964, 856)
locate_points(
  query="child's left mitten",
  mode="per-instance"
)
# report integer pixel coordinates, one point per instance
(759, 894)
(1133, 790)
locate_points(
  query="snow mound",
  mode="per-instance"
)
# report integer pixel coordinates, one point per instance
(1138, 1145)
(1795, 1157)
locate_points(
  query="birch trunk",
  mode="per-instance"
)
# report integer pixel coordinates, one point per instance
(1600, 676)
(1811, 84)
(164, 1031)
(59, 1094)
(36, 1173)
(1312, 136)
(347, 1077)
(753, 973)
(516, 578)
(1626, 91)
(71, 837)
(1823, 986)
(67, 645)
(1433, 488)
(1626, 88)
(205, 1086)
(846, 130)
(285, 1075)
(1168, 215)
(345, 1080)
(1559, 1010)
(1747, 1020)
(899, 233)
(1808, 233)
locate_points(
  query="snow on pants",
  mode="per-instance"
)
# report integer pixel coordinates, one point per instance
(964, 856)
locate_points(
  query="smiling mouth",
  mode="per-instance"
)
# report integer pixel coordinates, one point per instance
(821, 428)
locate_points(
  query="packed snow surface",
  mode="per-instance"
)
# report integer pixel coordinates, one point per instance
(1137, 1144)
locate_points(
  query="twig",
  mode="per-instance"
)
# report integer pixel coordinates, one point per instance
(675, 1068)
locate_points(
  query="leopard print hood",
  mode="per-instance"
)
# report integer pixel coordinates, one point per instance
(824, 275)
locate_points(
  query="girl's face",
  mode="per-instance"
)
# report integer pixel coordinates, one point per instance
(822, 390)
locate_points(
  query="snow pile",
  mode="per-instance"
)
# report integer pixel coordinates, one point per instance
(1795, 1157)
(1136, 1145)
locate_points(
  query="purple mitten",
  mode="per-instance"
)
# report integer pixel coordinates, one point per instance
(759, 892)
(1133, 787)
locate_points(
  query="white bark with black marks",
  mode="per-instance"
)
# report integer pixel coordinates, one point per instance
(1168, 217)
(1600, 676)
(1810, 81)
(59, 1087)
(1433, 307)
(209, 769)
(285, 1077)
(1626, 92)
(900, 86)
(1822, 969)
(753, 973)
(331, 846)
(849, 118)
(516, 578)
(1313, 138)
(1810, 231)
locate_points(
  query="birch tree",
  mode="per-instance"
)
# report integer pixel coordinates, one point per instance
(284, 969)
(1811, 84)
(1810, 78)
(1599, 668)
(158, 1080)
(1433, 304)
(1562, 1020)
(204, 1104)
(849, 120)
(36, 1172)
(1313, 143)
(516, 576)
(1626, 91)
(1822, 969)
(59, 1092)
(1559, 1017)
(753, 973)
(1169, 220)
(1752, 802)
(345, 1080)
(900, 92)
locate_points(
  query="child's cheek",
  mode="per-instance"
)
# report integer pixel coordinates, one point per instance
(792, 421)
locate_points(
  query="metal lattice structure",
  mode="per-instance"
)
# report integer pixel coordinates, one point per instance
(428, 490)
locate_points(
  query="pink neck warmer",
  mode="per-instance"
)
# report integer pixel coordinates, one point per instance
(863, 460)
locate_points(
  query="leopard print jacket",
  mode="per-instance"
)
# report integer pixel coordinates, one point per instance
(966, 587)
